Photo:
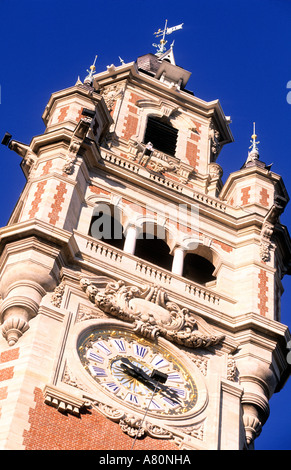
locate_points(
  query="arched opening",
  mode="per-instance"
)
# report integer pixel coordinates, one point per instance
(151, 246)
(106, 226)
(161, 134)
(198, 269)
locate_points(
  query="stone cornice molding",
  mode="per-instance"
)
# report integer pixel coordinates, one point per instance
(231, 388)
(25, 234)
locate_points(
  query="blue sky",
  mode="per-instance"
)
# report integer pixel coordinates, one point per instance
(238, 51)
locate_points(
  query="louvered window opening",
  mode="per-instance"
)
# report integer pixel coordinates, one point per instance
(163, 136)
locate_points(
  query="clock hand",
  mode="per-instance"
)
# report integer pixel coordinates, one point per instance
(133, 370)
(130, 368)
(139, 374)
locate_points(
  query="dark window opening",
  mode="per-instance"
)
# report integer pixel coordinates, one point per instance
(198, 269)
(155, 251)
(162, 135)
(106, 228)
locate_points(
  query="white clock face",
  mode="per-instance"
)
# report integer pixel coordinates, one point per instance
(102, 354)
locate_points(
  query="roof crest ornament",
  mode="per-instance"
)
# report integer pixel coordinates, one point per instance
(161, 47)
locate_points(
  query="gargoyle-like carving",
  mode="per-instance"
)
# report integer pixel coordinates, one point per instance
(271, 219)
(25, 152)
(78, 137)
(232, 371)
(152, 313)
(214, 138)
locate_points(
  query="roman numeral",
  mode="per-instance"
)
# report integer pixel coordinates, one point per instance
(102, 347)
(120, 345)
(171, 403)
(139, 350)
(159, 361)
(97, 371)
(154, 405)
(93, 356)
(131, 398)
(175, 377)
(112, 387)
(179, 392)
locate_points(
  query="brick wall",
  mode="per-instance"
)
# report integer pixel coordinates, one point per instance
(131, 120)
(192, 151)
(37, 198)
(6, 371)
(263, 292)
(51, 430)
(264, 197)
(63, 112)
(245, 195)
(59, 198)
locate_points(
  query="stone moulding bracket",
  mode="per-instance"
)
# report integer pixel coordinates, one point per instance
(64, 402)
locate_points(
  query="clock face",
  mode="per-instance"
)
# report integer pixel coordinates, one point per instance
(102, 354)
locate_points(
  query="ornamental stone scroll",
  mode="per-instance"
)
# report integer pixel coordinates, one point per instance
(152, 313)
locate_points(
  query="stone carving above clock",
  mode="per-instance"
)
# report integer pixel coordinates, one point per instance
(152, 313)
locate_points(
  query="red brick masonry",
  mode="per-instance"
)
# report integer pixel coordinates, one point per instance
(263, 289)
(51, 430)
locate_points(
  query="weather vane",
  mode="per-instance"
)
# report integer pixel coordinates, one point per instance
(91, 71)
(254, 153)
(253, 141)
(162, 33)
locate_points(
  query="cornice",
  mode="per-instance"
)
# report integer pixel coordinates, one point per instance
(31, 229)
(61, 134)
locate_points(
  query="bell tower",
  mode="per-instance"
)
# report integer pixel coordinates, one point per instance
(140, 295)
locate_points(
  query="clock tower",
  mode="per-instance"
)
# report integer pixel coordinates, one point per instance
(140, 295)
